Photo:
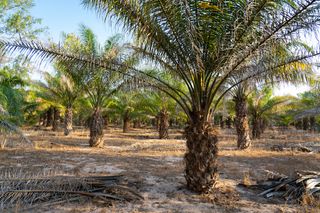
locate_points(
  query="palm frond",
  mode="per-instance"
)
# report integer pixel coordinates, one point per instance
(50, 186)
(308, 113)
(7, 128)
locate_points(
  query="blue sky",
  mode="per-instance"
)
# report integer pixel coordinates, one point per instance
(66, 16)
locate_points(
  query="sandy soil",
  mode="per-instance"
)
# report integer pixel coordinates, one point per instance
(155, 168)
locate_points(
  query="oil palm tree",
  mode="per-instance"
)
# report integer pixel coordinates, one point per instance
(242, 119)
(298, 72)
(100, 84)
(123, 104)
(63, 90)
(206, 45)
(307, 109)
(262, 105)
(159, 106)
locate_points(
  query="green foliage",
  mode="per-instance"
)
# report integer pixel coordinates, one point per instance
(262, 105)
(12, 93)
(15, 19)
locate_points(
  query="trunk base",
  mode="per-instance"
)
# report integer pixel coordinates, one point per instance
(68, 121)
(96, 130)
(164, 124)
(201, 158)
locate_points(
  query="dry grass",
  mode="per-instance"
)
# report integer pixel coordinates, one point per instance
(155, 168)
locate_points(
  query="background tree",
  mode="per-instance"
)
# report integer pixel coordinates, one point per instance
(98, 83)
(159, 106)
(307, 109)
(242, 118)
(123, 104)
(15, 19)
(261, 106)
(62, 91)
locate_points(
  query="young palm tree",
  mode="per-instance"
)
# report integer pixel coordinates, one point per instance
(123, 104)
(61, 89)
(307, 109)
(159, 106)
(207, 45)
(100, 84)
(261, 106)
(295, 73)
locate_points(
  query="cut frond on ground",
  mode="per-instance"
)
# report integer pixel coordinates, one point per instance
(45, 187)
(8, 129)
(305, 183)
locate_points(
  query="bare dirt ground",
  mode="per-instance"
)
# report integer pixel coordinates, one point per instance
(155, 168)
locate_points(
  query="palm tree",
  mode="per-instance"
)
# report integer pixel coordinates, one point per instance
(159, 106)
(261, 106)
(307, 109)
(298, 72)
(60, 90)
(123, 104)
(206, 45)
(242, 118)
(99, 84)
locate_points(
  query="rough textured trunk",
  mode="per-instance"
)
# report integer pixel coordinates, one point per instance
(298, 124)
(106, 122)
(222, 122)
(312, 124)
(256, 128)
(229, 122)
(126, 122)
(49, 116)
(201, 157)
(68, 121)
(96, 129)
(163, 124)
(305, 123)
(242, 123)
(56, 119)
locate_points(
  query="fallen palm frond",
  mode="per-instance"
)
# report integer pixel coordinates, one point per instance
(7, 129)
(20, 187)
(305, 183)
(297, 148)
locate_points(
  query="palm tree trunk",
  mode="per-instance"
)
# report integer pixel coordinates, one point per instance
(256, 128)
(242, 123)
(106, 121)
(126, 121)
(201, 156)
(305, 123)
(312, 123)
(163, 124)
(56, 118)
(222, 122)
(96, 129)
(298, 124)
(68, 121)
(229, 122)
(49, 116)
